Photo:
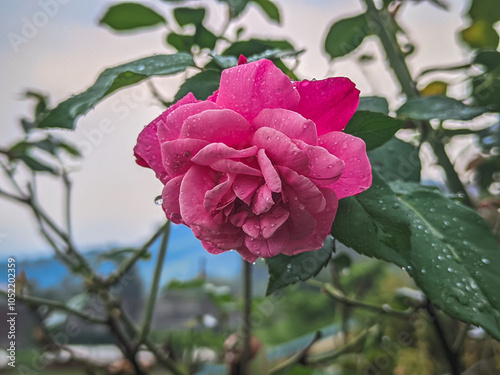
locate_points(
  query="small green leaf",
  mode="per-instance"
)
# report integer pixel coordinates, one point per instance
(255, 46)
(65, 114)
(202, 85)
(37, 165)
(204, 37)
(224, 62)
(189, 16)
(372, 224)
(130, 16)
(346, 35)
(438, 107)
(236, 7)
(286, 270)
(373, 128)
(373, 104)
(270, 9)
(490, 59)
(182, 43)
(396, 160)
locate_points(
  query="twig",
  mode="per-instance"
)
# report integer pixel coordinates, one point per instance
(337, 295)
(36, 301)
(129, 263)
(460, 338)
(67, 188)
(155, 285)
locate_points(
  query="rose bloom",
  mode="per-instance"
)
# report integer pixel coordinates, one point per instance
(260, 165)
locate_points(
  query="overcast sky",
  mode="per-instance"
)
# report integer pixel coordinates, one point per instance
(113, 197)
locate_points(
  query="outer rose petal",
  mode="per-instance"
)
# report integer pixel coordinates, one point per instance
(170, 196)
(223, 125)
(246, 254)
(324, 222)
(289, 123)
(357, 174)
(251, 87)
(147, 150)
(330, 103)
(177, 154)
(268, 248)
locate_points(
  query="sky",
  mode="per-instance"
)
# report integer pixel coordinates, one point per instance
(64, 50)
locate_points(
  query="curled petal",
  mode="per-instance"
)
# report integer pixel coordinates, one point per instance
(289, 123)
(222, 125)
(217, 151)
(268, 248)
(272, 221)
(325, 167)
(306, 192)
(330, 103)
(357, 174)
(262, 200)
(170, 197)
(281, 150)
(249, 88)
(236, 167)
(214, 197)
(270, 174)
(245, 186)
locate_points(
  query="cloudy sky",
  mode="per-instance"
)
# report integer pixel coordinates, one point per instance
(113, 197)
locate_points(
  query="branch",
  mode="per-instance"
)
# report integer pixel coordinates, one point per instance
(299, 357)
(337, 295)
(247, 317)
(155, 284)
(36, 301)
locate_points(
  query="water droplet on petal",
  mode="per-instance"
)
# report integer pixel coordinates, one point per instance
(159, 200)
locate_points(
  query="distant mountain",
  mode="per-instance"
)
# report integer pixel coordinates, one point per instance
(185, 256)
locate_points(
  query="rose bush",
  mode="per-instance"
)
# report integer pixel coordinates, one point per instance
(259, 166)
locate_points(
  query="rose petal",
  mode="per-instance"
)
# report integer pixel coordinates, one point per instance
(325, 167)
(177, 154)
(289, 123)
(268, 248)
(273, 220)
(170, 127)
(147, 150)
(281, 150)
(262, 200)
(307, 193)
(246, 254)
(251, 87)
(330, 103)
(357, 174)
(216, 151)
(324, 221)
(170, 197)
(236, 167)
(245, 186)
(214, 196)
(196, 182)
(222, 125)
(270, 174)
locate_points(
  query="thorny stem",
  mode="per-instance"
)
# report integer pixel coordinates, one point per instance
(155, 285)
(383, 24)
(247, 315)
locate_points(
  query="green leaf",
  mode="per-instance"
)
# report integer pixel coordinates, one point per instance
(189, 16)
(255, 46)
(204, 37)
(224, 62)
(396, 160)
(130, 16)
(202, 85)
(41, 101)
(346, 35)
(490, 59)
(236, 7)
(182, 43)
(372, 224)
(373, 128)
(480, 34)
(37, 165)
(189, 284)
(454, 257)
(438, 107)
(373, 104)
(286, 270)
(270, 9)
(65, 114)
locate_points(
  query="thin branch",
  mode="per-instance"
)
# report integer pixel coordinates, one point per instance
(129, 263)
(57, 305)
(460, 338)
(297, 358)
(67, 189)
(12, 197)
(337, 295)
(155, 285)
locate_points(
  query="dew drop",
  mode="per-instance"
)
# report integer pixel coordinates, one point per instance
(485, 261)
(140, 68)
(159, 200)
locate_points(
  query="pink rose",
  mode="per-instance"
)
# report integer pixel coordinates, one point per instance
(260, 165)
